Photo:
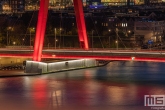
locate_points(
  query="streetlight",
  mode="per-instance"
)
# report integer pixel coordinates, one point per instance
(59, 6)
(14, 43)
(23, 41)
(161, 43)
(7, 38)
(60, 38)
(92, 39)
(8, 29)
(55, 38)
(116, 44)
(31, 29)
(30, 38)
(109, 38)
(117, 38)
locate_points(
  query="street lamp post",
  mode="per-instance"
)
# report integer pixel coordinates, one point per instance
(109, 42)
(117, 38)
(55, 38)
(60, 38)
(30, 38)
(92, 39)
(7, 38)
(23, 41)
(14, 43)
(31, 30)
(109, 39)
(161, 43)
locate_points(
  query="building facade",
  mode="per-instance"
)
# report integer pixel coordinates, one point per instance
(115, 2)
(4, 6)
(12, 6)
(150, 30)
(123, 2)
(17, 6)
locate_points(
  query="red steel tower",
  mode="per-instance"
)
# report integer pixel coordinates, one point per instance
(41, 25)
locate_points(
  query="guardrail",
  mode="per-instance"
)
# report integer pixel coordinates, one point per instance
(31, 47)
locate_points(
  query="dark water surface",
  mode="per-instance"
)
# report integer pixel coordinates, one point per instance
(116, 86)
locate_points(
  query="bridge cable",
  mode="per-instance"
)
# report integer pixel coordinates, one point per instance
(29, 25)
(97, 31)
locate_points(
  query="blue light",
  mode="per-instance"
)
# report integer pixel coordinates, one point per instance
(94, 7)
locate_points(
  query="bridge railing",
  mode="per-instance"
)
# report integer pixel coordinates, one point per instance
(20, 47)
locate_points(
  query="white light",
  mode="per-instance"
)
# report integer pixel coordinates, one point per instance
(133, 58)
(53, 55)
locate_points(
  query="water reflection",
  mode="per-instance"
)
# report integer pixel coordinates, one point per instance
(40, 93)
(102, 88)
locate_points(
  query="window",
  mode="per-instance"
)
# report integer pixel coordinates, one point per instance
(106, 24)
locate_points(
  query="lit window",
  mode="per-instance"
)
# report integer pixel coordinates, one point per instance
(106, 24)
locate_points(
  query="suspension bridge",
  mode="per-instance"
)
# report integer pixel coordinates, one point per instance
(37, 53)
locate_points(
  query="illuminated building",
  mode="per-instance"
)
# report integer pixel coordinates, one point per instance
(150, 29)
(17, 6)
(4, 6)
(123, 2)
(12, 6)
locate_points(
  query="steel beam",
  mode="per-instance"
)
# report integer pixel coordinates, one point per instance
(78, 7)
(40, 32)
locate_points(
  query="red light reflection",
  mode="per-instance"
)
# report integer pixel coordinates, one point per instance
(40, 93)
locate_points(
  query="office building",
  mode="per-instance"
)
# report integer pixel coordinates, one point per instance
(17, 6)
(12, 6)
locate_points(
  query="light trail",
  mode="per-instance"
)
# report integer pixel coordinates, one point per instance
(118, 58)
(91, 51)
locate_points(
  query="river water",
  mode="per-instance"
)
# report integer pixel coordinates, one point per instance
(119, 85)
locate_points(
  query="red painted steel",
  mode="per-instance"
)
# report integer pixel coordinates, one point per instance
(78, 7)
(40, 33)
(41, 25)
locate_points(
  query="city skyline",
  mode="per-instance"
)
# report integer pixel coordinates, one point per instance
(18, 6)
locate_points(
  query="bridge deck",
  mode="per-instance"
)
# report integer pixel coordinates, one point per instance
(137, 55)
